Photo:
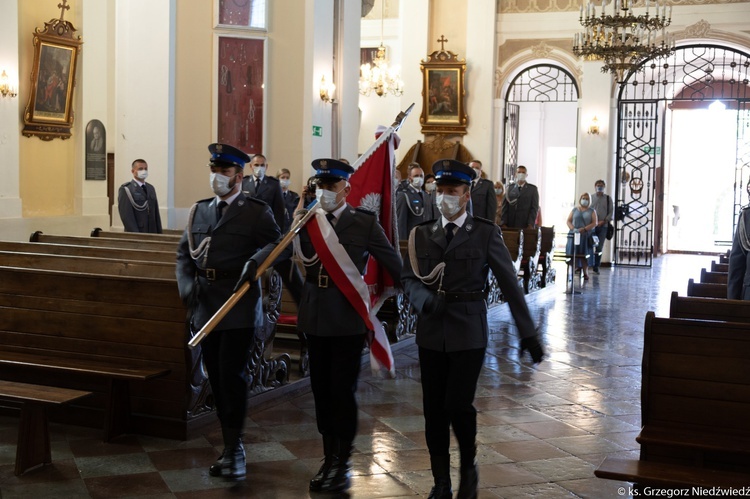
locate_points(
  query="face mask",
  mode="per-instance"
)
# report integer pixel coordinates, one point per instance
(520, 177)
(498, 191)
(448, 205)
(220, 184)
(584, 202)
(259, 171)
(417, 182)
(142, 174)
(327, 199)
(430, 187)
(478, 172)
(284, 182)
(600, 189)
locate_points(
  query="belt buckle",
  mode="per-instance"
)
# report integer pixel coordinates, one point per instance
(211, 274)
(322, 281)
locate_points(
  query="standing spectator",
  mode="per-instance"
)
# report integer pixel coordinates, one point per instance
(267, 189)
(222, 233)
(413, 204)
(290, 273)
(500, 196)
(483, 200)
(136, 202)
(452, 325)
(289, 197)
(335, 330)
(604, 207)
(521, 203)
(582, 220)
(738, 282)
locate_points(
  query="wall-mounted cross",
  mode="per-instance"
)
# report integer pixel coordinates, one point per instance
(63, 7)
(442, 41)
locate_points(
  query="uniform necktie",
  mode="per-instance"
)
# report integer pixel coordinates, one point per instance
(220, 209)
(449, 228)
(257, 184)
(331, 218)
(145, 191)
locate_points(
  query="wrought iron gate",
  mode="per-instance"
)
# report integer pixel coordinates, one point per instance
(510, 155)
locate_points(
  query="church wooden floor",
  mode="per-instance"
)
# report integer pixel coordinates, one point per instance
(542, 431)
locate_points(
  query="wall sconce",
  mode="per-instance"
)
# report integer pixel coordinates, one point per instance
(327, 90)
(594, 127)
(5, 89)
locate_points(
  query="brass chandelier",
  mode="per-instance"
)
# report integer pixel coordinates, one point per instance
(378, 77)
(621, 39)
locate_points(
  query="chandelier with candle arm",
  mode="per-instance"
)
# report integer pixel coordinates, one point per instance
(378, 77)
(622, 39)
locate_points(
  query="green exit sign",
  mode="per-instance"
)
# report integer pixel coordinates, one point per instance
(317, 131)
(651, 150)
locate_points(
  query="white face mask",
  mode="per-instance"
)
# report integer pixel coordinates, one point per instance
(584, 202)
(478, 172)
(327, 199)
(220, 184)
(284, 182)
(259, 171)
(417, 182)
(498, 191)
(448, 205)
(142, 174)
(432, 186)
(520, 177)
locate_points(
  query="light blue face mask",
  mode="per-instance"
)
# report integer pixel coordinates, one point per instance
(448, 205)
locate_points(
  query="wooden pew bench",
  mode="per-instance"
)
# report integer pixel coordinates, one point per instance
(33, 448)
(719, 267)
(104, 242)
(532, 243)
(714, 277)
(712, 309)
(706, 290)
(514, 241)
(546, 249)
(144, 236)
(695, 405)
(90, 251)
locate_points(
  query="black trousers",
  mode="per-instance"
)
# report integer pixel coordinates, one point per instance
(225, 355)
(449, 382)
(335, 362)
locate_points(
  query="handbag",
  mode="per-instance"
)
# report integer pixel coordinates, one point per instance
(610, 231)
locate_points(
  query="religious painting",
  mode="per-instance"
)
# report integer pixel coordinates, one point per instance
(241, 93)
(49, 113)
(443, 94)
(242, 13)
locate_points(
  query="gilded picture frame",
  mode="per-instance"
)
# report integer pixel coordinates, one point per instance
(443, 94)
(49, 112)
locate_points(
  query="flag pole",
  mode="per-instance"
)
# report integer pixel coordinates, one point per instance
(395, 127)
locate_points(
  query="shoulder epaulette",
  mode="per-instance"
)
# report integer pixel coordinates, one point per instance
(365, 210)
(484, 220)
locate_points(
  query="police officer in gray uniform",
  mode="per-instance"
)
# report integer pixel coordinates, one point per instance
(413, 204)
(222, 233)
(335, 331)
(266, 188)
(444, 278)
(136, 202)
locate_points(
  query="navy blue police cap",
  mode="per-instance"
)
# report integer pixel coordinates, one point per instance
(332, 169)
(226, 155)
(450, 171)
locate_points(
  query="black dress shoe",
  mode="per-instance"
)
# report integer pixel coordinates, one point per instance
(215, 469)
(441, 490)
(317, 481)
(337, 479)
(469, 483)
(234, 466)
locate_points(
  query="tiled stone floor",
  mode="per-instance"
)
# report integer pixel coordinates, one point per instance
(543, 430)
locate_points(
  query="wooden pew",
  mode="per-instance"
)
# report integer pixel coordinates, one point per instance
(145, 236)
(695, 404)
(33, 448)
(103, 242)
(706, 290)
(90, 251)
(712, 309)
(532, 243)
(719, 267)
(514, 241)
(713, 277)
(546, 249)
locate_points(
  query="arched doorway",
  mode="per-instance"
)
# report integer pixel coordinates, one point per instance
(541, 114)
(695, 76)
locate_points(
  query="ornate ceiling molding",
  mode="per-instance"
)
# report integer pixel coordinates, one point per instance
(537, 6)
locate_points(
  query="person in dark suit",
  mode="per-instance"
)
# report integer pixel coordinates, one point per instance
(738, 279)
(335, 331)
(413, 204)
(289, 271)
(136, 202)
(483, 200)
(267, 189)
(290, 198)
(521, 203)
(452, 327)
(222, 233)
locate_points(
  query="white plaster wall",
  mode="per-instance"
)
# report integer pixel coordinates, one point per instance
(10, 112)
(322, 65)
(144, 79)
(347, 87)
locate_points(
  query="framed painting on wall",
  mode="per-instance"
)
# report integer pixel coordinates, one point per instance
(49, 112)
(241, 93)
(443, 94)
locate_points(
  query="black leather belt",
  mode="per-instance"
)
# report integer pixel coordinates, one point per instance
(322, 280)
(454, 296)
(215, 274)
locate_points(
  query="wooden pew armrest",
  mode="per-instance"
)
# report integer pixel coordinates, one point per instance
(668, 475)
(702, 440)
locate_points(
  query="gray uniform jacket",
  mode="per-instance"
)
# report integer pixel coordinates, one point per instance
(476, 248)
(247, 226)
(142, 215)
(325, 311)
(738, 281)
(268, 191)
(483, 199)
(522, 213)
(412, 208)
